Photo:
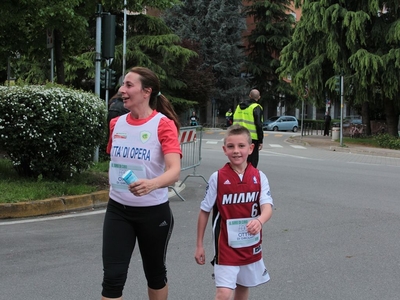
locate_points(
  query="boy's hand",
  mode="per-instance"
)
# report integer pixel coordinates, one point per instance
(254, 226)
(200, 256)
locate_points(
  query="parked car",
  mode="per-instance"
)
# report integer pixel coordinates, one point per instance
(348, 121)
(281, 123)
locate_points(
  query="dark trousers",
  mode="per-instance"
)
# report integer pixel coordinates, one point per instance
(326, 130)
(123, 225)
(253, 157)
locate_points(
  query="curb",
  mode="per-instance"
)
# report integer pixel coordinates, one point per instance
(367, 151)
(53, 205)
(62, 204)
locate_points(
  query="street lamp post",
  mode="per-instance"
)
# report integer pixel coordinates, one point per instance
(341, 108)
(124, 43)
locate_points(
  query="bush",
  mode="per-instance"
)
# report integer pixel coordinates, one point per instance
(50, 131)
(388, 141)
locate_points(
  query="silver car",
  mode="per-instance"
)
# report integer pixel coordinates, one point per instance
(281, 123)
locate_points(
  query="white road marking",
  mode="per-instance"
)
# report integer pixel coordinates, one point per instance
(39, 219)
(298, 147)
(270, 153)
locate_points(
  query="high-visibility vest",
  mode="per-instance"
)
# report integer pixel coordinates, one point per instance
(245, 117)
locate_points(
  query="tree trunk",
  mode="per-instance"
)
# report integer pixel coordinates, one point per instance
(365, 117)
(392, 116)
(59, 59)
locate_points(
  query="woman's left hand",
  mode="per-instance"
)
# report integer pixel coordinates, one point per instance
(142, 187)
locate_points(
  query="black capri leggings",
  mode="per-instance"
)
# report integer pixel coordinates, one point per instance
(152, 227)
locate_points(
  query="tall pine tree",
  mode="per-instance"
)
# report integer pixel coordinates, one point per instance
(272, 31)
(359, 39)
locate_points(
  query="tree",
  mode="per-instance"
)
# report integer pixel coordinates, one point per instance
(216, 26)
(151, 43)
(271, 31)
(25, 23)
(356, 38)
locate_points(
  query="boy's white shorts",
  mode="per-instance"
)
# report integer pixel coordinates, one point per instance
(248, 275)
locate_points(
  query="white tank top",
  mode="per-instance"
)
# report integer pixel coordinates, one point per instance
(136, 148)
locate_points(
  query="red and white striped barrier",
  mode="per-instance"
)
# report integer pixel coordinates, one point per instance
(190, 139)
(187, 136)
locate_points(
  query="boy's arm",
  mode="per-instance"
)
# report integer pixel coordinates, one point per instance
(266, 201)
(254, 226)
(199, 255)
(266, 213)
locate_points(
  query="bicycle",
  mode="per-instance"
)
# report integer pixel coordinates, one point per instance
(357, 131)
(381, 129)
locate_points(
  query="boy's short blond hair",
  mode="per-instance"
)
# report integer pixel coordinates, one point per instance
(237, 129)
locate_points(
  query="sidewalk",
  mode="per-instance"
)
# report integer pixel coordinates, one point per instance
(325, 142)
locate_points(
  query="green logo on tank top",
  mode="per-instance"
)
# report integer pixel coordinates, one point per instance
(144, 136)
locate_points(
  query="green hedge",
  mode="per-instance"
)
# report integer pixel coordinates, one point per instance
(50, 131)
(388, 141)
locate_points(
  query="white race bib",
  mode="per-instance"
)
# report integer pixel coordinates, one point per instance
(117, 170)
(238, 236)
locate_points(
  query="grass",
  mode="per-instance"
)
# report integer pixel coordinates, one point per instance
(15, 189)
(367, 142)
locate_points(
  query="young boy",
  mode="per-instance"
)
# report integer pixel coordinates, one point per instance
(240, 198)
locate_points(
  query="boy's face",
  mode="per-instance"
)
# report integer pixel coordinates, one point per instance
(237, 148)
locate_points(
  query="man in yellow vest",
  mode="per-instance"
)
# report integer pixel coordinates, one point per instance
(250, 115)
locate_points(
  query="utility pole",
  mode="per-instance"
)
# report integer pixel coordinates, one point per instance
(341, 108)
(124, 43)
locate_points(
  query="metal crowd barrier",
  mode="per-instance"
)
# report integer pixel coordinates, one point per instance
(190, 140)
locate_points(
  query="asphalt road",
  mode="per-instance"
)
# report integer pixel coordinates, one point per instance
(334, 234)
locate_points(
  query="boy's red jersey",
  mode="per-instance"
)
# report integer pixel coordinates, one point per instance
(236, 199)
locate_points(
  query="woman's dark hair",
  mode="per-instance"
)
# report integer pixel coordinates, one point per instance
(157, 101)
(112, 99)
